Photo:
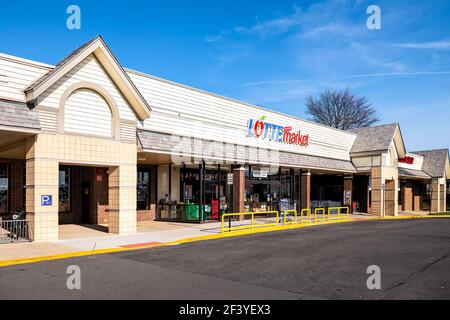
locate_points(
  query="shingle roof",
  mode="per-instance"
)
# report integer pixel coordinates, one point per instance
(374, 138)
(434, 161)
(60, 65)
(16, 114)
(408, 173)
(170, 143)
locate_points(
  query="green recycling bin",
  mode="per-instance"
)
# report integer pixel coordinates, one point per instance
(192, 212)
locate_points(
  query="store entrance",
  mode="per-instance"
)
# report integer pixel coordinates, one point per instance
(361, 193)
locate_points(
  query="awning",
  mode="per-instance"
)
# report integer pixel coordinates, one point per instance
(412, 174)
(175, 145)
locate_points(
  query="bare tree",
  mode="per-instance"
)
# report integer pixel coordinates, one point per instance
(341, 109)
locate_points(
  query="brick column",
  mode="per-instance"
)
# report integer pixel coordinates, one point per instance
(435, 195)
(407, 199)
(305, 190)
(238, 190)
(390, 196)
(122, 199)
(443, 199)
(348, 188)
(417, 203)
(376, 208)
(42, 181)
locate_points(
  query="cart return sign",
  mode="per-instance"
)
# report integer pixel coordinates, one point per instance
(261, 129)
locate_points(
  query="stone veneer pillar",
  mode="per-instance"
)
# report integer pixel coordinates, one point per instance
(122, 199)
(239, 190)
(376, 208)
(435, 195)
(390, 204)
(42, 179)
(305, 190)
(407, 193)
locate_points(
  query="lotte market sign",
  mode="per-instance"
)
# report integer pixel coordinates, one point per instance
(261, 129)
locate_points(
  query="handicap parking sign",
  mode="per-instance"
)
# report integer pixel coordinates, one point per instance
(46, 201)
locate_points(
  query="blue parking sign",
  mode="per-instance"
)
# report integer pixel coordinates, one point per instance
(47, 201)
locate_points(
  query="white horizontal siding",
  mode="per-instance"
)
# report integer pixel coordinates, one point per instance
(93, 118)
(15, 76)
(128, 132)
(89, 70)
(48, 120)
(187, 112)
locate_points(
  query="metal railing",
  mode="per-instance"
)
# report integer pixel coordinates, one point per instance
(12, 231)
(266, 219)
(288, 217)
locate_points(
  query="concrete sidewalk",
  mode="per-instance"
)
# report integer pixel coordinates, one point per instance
(156, 233)
(87, 238)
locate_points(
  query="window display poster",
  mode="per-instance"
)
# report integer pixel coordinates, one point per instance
(188, 192)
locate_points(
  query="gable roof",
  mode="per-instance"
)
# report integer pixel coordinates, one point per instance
(18, 115)
(378, 138)
(435, 162)
(101, 51)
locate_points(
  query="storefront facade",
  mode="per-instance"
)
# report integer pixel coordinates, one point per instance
(88, 141)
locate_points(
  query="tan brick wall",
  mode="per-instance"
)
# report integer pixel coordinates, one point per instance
(46, 152)
(122, 200)
(442, 199)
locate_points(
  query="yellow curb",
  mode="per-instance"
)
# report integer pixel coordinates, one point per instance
(6, 263)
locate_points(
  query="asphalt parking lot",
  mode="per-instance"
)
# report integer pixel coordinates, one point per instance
(322, 262)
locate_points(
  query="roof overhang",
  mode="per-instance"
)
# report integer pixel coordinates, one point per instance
(100, 50)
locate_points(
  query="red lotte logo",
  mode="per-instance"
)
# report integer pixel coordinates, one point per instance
(264, 130)
(407, 160)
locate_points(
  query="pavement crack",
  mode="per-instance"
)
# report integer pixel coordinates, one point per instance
(412, 274)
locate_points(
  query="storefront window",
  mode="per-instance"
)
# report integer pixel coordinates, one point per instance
(143, 188)
(64, 189)
(268, 190)
(213, 198)
(4, 184)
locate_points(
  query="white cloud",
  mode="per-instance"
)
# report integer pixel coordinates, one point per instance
(275, 26)
(352, 76)
(437, 45)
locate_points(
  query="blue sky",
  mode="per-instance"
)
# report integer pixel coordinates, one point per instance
(270, 53)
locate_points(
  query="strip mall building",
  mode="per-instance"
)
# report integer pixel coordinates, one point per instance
(89, 142)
